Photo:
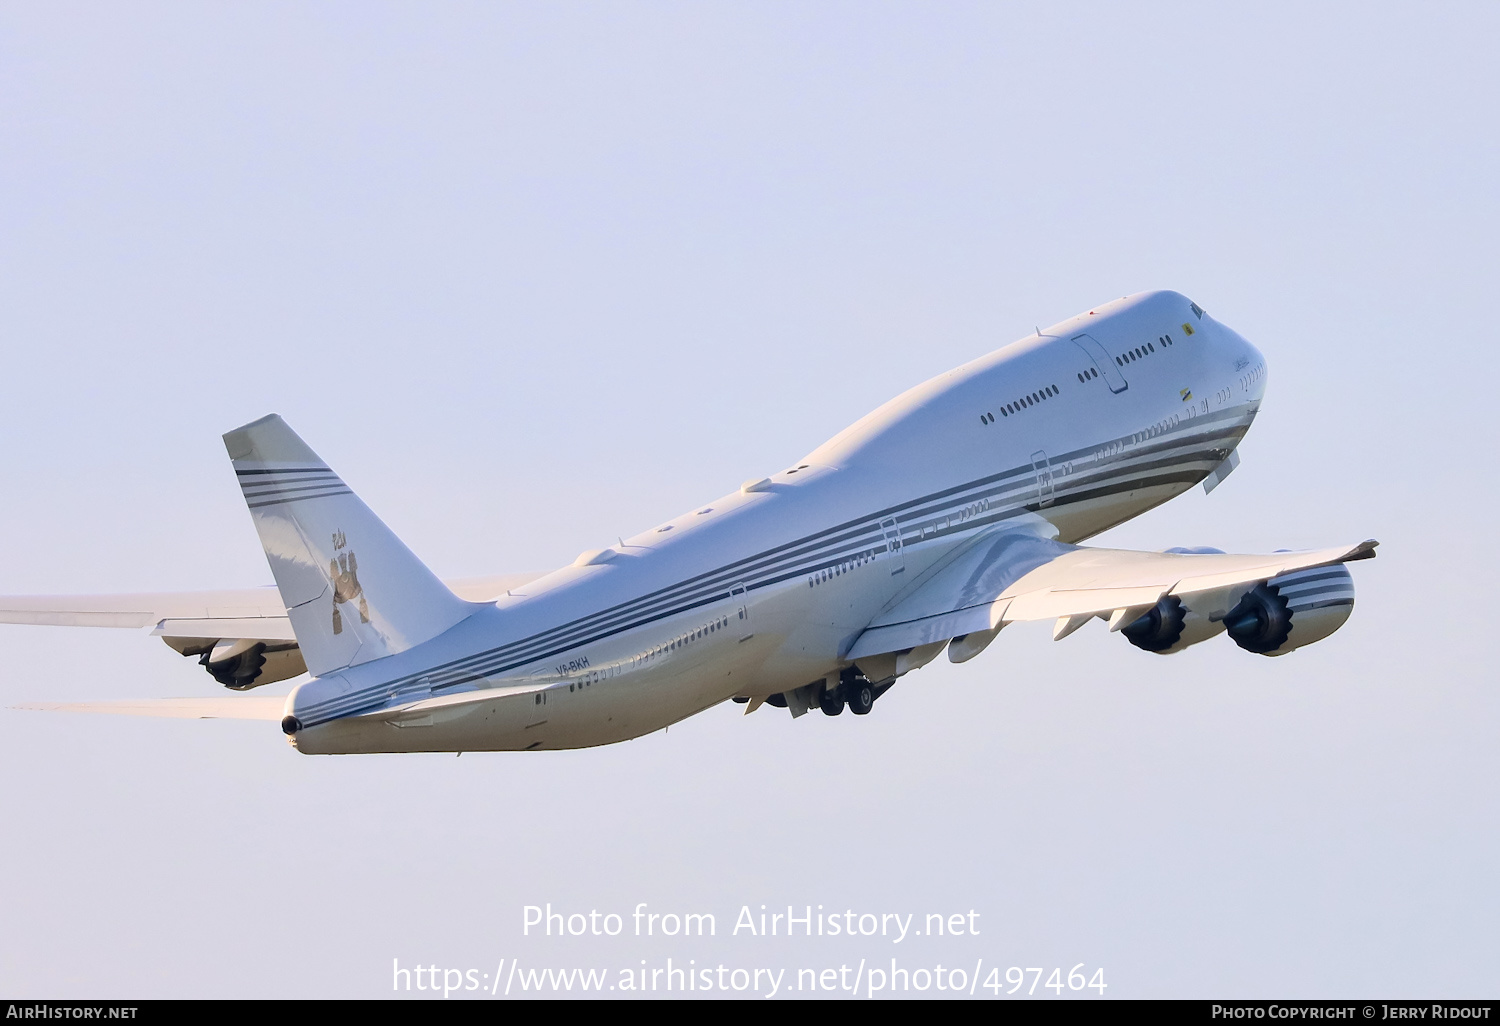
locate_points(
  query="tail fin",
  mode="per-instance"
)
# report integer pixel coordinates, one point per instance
(353, 591)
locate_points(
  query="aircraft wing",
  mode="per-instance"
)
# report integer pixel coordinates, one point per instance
(1016, 573)
(1090, 582)
(253, 612)
(250, 613)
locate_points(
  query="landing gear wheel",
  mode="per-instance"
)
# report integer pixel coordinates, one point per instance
(831, 702)
(861, 697)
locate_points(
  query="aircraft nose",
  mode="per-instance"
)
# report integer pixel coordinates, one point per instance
(1240, 347)
(1251, 363)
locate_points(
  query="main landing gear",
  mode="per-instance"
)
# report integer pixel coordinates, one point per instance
(860, 695)
(831, 702)
(853, 690)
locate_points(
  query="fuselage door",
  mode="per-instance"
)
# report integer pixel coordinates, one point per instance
(894, 551)
(1043, 477)
(1102, 360)
(740, 609)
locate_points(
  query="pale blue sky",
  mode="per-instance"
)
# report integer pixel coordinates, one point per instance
(534, 276)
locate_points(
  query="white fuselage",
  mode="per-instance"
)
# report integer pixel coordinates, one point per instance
(1087, 424)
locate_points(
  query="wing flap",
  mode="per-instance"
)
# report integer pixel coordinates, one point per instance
(958, 596)
(210, 615)
(49, 616)
(139, 610)
(979, 573)
(1050, 605)
(257, 628)
(926, 631)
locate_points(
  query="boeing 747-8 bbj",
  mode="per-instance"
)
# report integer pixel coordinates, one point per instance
(927, 526)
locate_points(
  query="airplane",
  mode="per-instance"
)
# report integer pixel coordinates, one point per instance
(949, 512)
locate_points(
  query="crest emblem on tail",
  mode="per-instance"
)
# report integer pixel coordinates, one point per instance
(343, 571)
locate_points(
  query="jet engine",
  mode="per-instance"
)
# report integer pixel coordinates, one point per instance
(243, 663)
(1159, 629)
(1171, 625)
(1283, 614)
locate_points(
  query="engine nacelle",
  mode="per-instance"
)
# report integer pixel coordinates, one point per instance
(1285, 613)
(243, 663)
(1170, 626)
(1159, 629)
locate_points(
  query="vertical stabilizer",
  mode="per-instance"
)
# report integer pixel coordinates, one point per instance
(353, 591)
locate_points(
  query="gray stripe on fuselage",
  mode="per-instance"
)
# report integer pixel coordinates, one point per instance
(712, 586)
